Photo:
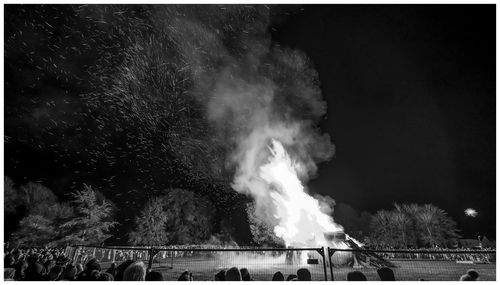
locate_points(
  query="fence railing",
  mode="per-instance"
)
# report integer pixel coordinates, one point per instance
(412, 265)
(204, 263)
(323, 263)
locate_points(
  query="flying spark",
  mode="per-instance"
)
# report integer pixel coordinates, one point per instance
(470, 212)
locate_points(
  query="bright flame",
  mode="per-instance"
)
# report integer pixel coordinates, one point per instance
(300, 220)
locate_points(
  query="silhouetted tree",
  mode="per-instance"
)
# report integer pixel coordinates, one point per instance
(406, 225)
(93, 218)
(409, 225)
(34, 231)
(434, 225)
(261, 229)
(383, 229)
(39, 212)
(43, 217)
(355, 224)
(37, 198)
(150, 225)
(178, 217)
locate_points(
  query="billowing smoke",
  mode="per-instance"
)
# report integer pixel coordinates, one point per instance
(163, 90)
(262, 101)
(265, 101)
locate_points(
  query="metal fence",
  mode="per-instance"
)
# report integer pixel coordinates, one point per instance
(413, 265)
(204, 263)
(323, 263)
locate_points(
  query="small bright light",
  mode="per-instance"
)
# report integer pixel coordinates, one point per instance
(470, 212)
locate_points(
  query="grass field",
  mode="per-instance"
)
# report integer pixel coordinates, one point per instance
(204, 269)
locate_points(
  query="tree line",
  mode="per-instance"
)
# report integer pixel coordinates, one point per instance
(184, 217)
(45, 221)
(412, 226)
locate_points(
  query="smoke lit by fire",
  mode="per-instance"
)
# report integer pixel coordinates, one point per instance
(265, 101)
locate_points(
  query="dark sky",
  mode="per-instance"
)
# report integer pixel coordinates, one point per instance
(411, 104)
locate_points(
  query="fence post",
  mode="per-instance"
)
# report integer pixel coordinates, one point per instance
(150, 260)
(152, 252)
(330, 253)
(324, 262)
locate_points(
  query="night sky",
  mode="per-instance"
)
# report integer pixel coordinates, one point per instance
(411, 104)
(411, 108)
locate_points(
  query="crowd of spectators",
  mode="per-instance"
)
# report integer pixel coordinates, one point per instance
(55, 265)
(461, 254)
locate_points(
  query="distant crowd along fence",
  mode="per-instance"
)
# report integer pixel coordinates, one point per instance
(324, 263)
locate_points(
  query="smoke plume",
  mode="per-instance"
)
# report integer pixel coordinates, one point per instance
(262, 101)
(265, 101)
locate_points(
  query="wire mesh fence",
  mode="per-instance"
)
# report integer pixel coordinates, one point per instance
(261, 263)
(323, 263)
(413, 265)
(205, 263)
